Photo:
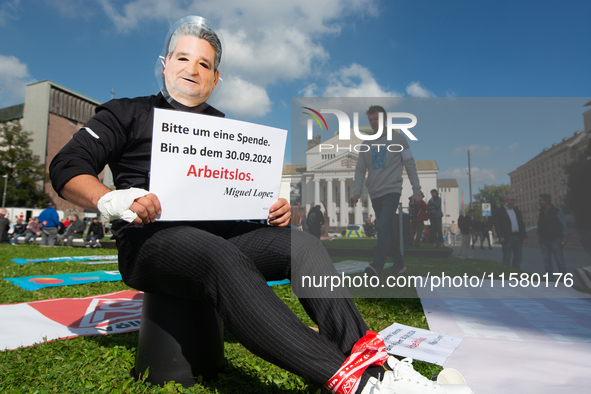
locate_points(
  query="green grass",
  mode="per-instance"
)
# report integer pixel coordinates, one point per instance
(363, 243)
(101, 364)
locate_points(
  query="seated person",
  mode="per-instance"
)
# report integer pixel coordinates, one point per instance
(20, 230)
(227, 263)
(33, 231)
(74, 230)
(95, 232)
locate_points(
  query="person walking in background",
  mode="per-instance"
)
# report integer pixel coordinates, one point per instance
(477, 233)
(384, 167)
(315, 221)
(510, 229)
(435, 215)
(418, 214)
(50, 224)
(454, 230)
(369, 226)
(485, 229)
(466, 225)
(552, 233)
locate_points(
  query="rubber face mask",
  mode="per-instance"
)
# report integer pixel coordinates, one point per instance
(187, 70)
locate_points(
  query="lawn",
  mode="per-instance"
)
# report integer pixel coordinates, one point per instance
(101, 364)
(364, 243)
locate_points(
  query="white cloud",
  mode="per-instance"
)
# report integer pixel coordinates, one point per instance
(309, 16)
(479, 175)
(72, 8)
(414, 89)
(280, 53)
(242, 98)
(355, 81)
(513, 147)
(263, 44)
(309, 90)
(475, 150)
(14, 77)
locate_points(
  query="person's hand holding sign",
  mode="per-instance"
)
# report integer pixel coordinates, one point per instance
(280, 213)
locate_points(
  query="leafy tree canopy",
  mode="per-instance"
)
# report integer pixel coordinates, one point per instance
(25, 171)
(493, 194)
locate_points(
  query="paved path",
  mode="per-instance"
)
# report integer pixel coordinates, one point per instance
(532, 257)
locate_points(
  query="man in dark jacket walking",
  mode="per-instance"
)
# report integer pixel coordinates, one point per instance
(510, 229)
(315, 221)
(466, 225)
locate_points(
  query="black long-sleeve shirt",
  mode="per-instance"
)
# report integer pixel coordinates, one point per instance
(120, 135)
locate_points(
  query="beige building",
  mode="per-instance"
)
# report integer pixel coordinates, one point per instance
(545, 173)
(53, 114)
(327, 179)
(450, 203)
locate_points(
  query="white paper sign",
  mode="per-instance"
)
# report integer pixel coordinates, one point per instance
(211, 168)
(419, 344)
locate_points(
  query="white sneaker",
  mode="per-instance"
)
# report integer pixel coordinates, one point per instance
(403, 379)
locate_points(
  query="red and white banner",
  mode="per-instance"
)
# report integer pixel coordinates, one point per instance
(34, 322)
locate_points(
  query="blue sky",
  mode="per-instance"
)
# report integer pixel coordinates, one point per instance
(278, 50)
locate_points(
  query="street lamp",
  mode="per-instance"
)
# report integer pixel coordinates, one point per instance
(4, 196)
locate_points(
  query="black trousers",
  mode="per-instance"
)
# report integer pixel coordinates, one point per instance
(228, 264)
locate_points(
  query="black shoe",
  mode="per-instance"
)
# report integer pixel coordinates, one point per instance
(472, 246)
(481, 247)
(490, 247)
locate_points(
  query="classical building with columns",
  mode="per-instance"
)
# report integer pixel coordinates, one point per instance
(327, 179)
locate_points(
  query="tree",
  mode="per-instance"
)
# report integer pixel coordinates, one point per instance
(493, 194)
(25, 171)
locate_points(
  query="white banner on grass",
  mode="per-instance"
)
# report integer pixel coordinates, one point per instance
(537, 342)
(419, 344)
(28, 323)
(211, 168)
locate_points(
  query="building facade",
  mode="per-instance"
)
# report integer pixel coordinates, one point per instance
(327, 179)
(53, 114)
(450, 203)
(545, 173)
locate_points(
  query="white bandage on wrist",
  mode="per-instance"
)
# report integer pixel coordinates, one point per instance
(115, 205)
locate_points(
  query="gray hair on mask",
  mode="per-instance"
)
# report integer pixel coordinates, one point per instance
(200, 31)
